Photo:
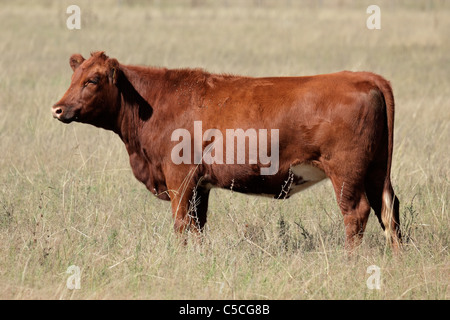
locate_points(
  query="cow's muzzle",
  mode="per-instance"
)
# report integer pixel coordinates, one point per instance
(62, 113)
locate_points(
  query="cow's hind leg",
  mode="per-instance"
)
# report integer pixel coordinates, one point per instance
(374, 189)
(353, 203)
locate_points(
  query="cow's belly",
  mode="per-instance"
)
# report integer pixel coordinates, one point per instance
(305, 176)
(299, 178)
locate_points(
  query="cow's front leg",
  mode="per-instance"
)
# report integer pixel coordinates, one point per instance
(189, 203)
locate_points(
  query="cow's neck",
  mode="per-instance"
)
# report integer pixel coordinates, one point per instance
(137, 93)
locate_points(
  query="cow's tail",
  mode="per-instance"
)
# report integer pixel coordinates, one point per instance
(390, 203)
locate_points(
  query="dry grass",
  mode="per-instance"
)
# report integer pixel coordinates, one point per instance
(68, 197)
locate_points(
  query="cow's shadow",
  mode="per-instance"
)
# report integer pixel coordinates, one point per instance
(133, 98)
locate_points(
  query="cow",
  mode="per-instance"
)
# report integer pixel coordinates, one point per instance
(338, 126)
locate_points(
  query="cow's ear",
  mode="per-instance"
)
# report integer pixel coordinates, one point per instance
(113, 67)
(75, 61)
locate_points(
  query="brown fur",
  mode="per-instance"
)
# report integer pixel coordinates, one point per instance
(341, 123)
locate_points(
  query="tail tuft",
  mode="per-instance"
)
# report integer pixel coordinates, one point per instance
(390, 217)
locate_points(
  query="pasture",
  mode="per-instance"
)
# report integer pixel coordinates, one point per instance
(68, 196)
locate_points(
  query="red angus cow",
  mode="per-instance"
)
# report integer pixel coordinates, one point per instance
(336, 125)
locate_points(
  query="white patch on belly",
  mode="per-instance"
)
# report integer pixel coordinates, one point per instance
(305, 176)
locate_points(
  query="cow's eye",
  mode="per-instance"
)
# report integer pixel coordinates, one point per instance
(93, 81)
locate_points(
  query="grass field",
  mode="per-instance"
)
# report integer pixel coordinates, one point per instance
(68, 196)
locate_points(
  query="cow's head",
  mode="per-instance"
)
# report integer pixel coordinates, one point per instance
(93, 95)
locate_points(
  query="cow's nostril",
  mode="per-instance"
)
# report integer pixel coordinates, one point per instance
(57, 112)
